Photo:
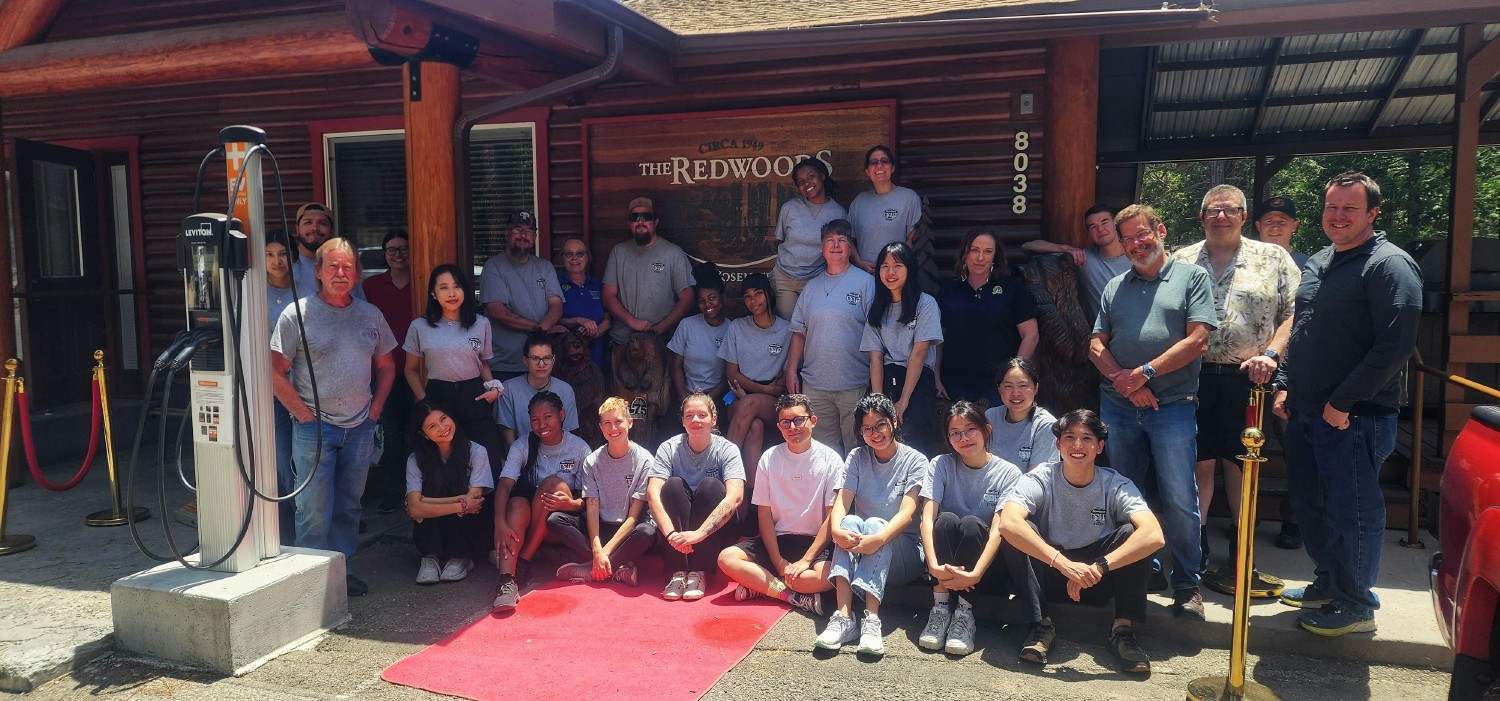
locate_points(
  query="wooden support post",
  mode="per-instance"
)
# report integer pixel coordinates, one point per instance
(1266, 167)
(24, 21)
(17, 473)
(430, 211)
(1071, 138)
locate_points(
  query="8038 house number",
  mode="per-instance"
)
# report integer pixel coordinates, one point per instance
(1019, 163)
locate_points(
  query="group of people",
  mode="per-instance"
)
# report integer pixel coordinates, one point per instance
(876, 435)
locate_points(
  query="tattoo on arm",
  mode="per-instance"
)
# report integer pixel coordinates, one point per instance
(716, 519)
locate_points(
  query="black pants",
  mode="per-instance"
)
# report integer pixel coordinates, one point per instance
(477, 420)
(689, 508)
(1126, 584)
(394, 417)
(571, 529)
(918, 424)
(960, 541)
(452, 536)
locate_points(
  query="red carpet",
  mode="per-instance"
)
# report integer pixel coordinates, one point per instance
(595, 641)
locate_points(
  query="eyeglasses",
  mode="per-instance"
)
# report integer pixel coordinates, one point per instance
(641, 216)
(397, 250)
(1212, 212)
(879, 162)
(574, 254)
(882, 427)
(798, 421)
(540, 359)
(963, 434)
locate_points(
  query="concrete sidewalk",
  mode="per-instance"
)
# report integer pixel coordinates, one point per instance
(54, 599)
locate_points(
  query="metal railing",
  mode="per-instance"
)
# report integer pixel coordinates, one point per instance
(1418, 404)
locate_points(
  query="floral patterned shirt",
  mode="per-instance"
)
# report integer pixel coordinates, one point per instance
(1252, 296)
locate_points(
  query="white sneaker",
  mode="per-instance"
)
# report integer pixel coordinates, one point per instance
(937, 627)
(675, 586)
(871, 640)
(427, 572)
(961, 633)
(840, 630)
(692, 586)
(456, 569)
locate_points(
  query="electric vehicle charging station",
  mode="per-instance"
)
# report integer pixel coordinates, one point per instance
(246, 599)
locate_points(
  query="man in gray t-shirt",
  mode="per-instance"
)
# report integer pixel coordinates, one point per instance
(1099, 263)
(648, 282)
(520, 293)
(348, 345)
(1148, 343)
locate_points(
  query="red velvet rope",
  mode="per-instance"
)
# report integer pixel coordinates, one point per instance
(97, 413)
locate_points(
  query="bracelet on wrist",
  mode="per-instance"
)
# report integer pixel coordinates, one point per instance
(1055, 555)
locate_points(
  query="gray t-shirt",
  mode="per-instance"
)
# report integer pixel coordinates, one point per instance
(342, 341)
(882, 219)
(648, 279)
(969, 491)
(721, 460)
(832, 310)
(760, 353)
(895, 339)
(1096, 273)
(1028, 442)
(450, 352)
(1072, 517)
(564, 460)
(479, 471)
(698, 344)
(878, 487)
(799, 228)
(1152, 315)
(511, 409)
(797, 487)
(616, 481)
(277, 300)
(525, 289)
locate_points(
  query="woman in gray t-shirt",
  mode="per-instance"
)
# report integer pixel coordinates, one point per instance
(447, 477)
(872, 525)
(1020, 429)
(799, 227)
(754, 354)
(901, 335)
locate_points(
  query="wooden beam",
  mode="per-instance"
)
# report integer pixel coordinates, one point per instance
(1265, 85)
(1397, 78)
(1313, 143)
(410, 30)
(1473, 349)
(1071, 117)
(25, 21)
(1463, 189)
(430, 152)
(256, 48)
(1482, 66)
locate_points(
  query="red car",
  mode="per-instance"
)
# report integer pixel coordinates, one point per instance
(1465, 573)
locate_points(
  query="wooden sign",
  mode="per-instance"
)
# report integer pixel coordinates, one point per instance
(718, 179)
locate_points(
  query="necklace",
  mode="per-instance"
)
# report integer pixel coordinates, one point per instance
(814, 212)
(697, 457)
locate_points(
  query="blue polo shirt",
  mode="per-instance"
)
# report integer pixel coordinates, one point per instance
(585, 301)
(1143, 317)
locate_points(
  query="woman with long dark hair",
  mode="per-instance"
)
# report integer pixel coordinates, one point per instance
(901, 336)
(799, 227)
(446, 480)
(988, 316)
(885, 214)
(1021, 430)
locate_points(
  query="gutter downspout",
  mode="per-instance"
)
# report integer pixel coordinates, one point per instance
(607, 69)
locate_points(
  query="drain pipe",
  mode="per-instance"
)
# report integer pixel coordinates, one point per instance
(607, 69)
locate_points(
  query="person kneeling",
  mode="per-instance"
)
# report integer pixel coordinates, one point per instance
(614, 490)
(794, 486)
(541, 475)
(961, 529)
(1090, 532)
(446, 479)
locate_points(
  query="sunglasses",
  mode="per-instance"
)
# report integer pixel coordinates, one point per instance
(641, 216)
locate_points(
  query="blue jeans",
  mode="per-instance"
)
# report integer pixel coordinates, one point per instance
(286, 477)
(1162, 443)
(328, 509)
(898, 561)
(1333, 482)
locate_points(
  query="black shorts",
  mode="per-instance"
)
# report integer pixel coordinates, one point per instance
(1222, 397)
(792, 548)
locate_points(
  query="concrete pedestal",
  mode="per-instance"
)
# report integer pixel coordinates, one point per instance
(230, 623)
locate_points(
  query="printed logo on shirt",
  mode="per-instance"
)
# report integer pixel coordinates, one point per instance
(658, 266)
(1097, 516)
(567, 287)
(912, 324)
(774, 349)
(541, 282)
(567, 466)
(996, 290)
(713, 471)
(593, 294)
(370, 335)
(853, 298)
(718, 342)
(890, 214)
(1025, 453)
(992, 495)
(473, 344)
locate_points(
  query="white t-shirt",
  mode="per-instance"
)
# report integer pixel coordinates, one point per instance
(797, 487)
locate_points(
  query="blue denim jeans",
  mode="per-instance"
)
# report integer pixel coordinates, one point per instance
(286, 478)
(1333, 482)
(898, 562)
(328, 509)
(1162, 443)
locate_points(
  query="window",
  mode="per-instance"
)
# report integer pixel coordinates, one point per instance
(366, 185)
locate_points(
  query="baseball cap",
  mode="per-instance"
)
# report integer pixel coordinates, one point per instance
(757, 281)
(522, 219)
(314, 208)
(641, 202)
(1278, 204)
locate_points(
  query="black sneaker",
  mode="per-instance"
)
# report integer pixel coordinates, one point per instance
(509, 596)
(355, 586)
(1038, 642)
(523, 571)
(1188, 603)
(1290, 537)
(1133, 659)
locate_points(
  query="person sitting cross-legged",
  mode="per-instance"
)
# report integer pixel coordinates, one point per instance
(616, 527)
(794, 488)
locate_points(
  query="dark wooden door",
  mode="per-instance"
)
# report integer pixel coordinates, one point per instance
(64, 287)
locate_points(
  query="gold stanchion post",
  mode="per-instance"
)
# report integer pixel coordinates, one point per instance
(116, 514)
(9, 544)
(1235, 686)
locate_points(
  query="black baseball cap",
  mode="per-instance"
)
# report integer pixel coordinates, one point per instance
(1278, 204)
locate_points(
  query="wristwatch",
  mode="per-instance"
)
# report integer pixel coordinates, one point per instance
(1103, 564)
(1273, 355)
(1148, 371)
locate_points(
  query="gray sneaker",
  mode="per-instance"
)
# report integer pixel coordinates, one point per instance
(840, 630)
(456, 569)
(937, 627)
(509, 596)
(871, 638)
(961, 632)
(625, 574)
(575, 572)
(811, 603)
(428, 572)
